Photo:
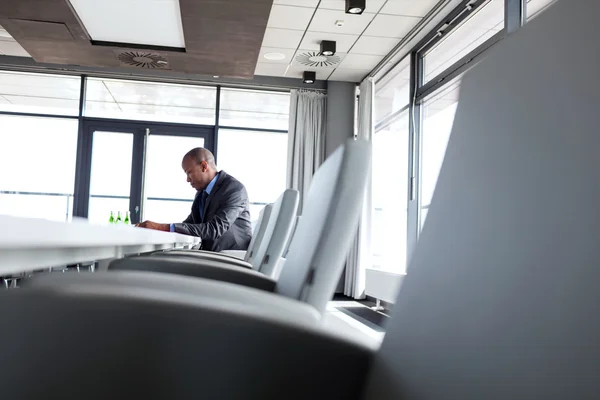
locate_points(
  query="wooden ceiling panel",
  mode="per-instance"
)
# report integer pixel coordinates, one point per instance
(223, 37)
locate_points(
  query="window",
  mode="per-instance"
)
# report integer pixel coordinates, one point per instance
(111, 175)
(393, 91)
(169, 195)
(390, 196)
(147, 101)
(39, 93)
(535, 7)
(254, 109)
(486, 22)
(37, 166)
(439, 112)
(258, 160)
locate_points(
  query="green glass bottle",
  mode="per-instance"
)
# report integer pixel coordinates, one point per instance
(111, 220)
(119, 219)
(127, 221)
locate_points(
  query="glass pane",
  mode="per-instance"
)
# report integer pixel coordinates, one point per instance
(37, 166)
(165, 180)
(473, 32)
(390, 196)
(439, 112)
(392, 92)
(111, 174)
(164, 176)
(147, 101)
(254, 109)
(167, 211)
(535, 7)
(39, 93)
(258, 160)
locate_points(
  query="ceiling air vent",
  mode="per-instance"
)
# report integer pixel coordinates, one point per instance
(142, 59)
(315, 59)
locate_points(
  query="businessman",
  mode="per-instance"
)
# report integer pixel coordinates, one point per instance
(220, 212)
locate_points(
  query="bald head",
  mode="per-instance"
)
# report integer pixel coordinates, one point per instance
(200, 168)
(200, 154)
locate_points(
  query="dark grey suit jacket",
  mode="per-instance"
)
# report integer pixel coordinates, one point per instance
(226, 224)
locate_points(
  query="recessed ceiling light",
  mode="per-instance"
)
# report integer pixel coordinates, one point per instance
(274, 56)
(355, 6)
(309, 77)
(216, 76)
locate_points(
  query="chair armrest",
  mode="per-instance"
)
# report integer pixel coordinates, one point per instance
(235, 253)
(186, 266)
(205, 255)
(147, 343)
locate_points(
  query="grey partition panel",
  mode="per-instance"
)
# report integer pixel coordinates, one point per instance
(501, 298)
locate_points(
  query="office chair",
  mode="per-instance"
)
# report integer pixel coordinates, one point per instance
(263, 257)
(248, 256)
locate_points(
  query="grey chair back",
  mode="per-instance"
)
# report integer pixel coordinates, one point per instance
(259, 233)
(287, 246)
(501, 298)
(277, 232)
(324, 235)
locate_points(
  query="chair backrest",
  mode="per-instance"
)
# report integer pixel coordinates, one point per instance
(259, 232)
(287, 246)
(330, 215)
(501, 297)
(278, 231)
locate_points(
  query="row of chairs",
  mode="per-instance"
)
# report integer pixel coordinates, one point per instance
(317, 250)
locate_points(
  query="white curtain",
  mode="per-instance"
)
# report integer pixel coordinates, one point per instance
(306, 143)
(359, 258)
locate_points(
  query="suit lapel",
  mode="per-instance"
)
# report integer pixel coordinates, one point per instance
(214, 191)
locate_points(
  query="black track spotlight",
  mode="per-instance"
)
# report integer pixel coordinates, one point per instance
(355, 6)
(309, 77)
(328, 48)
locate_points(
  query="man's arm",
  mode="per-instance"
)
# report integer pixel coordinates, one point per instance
(232, 203)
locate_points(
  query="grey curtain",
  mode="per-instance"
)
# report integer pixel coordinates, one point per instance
(359, 258)
(306, 145)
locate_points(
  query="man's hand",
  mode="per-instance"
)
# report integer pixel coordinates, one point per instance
(155, 226)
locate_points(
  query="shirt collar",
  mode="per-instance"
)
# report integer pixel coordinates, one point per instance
(210, 186)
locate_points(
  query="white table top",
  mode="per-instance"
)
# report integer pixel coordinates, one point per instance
(27, 244)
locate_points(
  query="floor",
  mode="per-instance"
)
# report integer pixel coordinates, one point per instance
(356, 321)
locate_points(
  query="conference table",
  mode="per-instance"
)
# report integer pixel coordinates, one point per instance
(28, 244)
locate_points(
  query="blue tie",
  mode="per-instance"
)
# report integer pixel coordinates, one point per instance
(203, 198)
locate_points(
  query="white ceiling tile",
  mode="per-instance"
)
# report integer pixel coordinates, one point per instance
(377, 46)
(411, 8)
(360, 61)
(3, 100)
(296, 72)
(290, 17)
(324, 21)
(287, 53)
(331, 62)
(391, 26)
(266, 69)
(282, 38)
(12, 48)
(373, 6)
(349, 75)
(312, 41)
(299, 3)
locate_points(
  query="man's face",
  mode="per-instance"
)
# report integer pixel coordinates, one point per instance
(198, 175)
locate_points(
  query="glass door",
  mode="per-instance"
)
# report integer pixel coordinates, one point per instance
(136, 168)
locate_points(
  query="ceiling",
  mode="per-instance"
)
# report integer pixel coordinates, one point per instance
(9, 46)
(204, 37)
(298, 26)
